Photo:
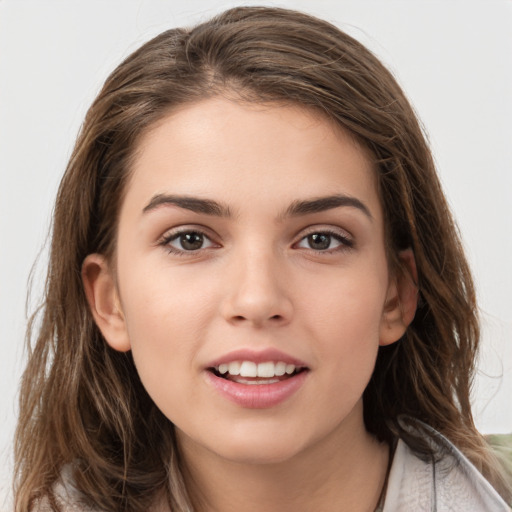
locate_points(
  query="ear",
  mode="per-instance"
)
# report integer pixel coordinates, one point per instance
(102, 296)
(401, 300)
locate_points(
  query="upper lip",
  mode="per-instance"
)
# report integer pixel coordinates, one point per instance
(256, 356)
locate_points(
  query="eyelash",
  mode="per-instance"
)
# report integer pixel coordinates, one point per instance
(345, 242)
(175, 235)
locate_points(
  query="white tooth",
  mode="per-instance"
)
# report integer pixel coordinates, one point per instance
(248, 369)
(290, 368)
(223, 368)
(280, 368)
(234, 368)
(266, 369)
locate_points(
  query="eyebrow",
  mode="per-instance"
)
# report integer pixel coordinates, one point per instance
(296, 208)
(322, 204)
(195, 204)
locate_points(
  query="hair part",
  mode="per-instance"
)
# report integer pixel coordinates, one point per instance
(82, 403)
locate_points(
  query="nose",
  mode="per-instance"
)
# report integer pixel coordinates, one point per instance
(258, 293)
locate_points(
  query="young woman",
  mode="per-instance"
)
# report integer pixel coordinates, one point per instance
(257, 299)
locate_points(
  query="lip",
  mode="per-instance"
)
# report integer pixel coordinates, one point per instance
(261, 356)
(260, 396)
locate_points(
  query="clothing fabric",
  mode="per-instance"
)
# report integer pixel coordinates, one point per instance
(451, 484)
(443, 482)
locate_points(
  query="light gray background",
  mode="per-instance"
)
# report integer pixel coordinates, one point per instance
(453, 58)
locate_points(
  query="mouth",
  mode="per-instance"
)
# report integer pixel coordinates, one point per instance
(252, 373)
(257, 379)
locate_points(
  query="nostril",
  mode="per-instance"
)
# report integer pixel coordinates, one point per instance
(242, 318)
(238, 318)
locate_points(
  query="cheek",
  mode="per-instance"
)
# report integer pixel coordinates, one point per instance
(346, 304)
(344, 320)
(161, 305)
(166, 320)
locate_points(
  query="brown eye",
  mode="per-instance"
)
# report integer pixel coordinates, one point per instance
(319, 241)
(191, 241)
(187, 241)
(325, 241)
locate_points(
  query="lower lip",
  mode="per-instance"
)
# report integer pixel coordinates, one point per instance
(257, 396)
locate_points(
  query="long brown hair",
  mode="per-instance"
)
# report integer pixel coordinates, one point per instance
(82, 403)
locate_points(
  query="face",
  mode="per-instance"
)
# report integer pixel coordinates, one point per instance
(251, 279)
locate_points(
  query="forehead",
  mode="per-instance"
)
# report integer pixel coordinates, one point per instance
(245, 151)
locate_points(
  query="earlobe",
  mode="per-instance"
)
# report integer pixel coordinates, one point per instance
(102, 296)
(401, 301)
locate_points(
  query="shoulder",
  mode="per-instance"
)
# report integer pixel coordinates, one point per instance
(445, 481)
(65, 494)
(69, 498)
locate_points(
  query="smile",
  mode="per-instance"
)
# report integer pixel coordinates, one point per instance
(256, 380)
(251, 373)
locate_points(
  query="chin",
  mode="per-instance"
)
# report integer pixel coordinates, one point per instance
(261, 442)
(259, 453)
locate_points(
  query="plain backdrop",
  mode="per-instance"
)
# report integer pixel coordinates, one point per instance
(453, 58)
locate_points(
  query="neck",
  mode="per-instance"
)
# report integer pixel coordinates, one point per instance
(345, 471)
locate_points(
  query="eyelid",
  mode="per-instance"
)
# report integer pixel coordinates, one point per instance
(325, 228)
(342, 235)
(174, 233)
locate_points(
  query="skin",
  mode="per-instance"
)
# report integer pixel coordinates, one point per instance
(256, 283)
